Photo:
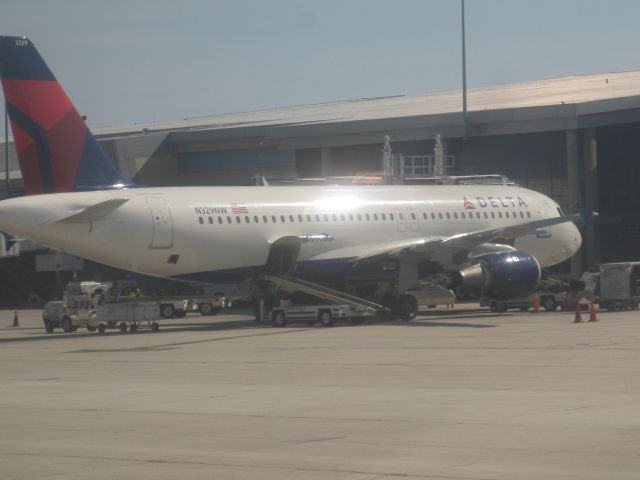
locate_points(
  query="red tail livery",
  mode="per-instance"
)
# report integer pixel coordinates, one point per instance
(57, 152)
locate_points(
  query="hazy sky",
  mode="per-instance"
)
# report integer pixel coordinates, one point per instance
(131, 61)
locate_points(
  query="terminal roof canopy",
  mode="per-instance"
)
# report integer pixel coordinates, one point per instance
(558, 103)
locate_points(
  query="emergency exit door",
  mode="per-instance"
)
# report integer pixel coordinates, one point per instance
(401, 219)
(162, 230)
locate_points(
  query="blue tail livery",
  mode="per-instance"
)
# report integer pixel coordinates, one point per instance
(57, 152)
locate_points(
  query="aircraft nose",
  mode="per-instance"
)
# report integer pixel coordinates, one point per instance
(572, 239)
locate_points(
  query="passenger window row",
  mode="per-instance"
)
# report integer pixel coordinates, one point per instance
(359, 217)
(478, 215)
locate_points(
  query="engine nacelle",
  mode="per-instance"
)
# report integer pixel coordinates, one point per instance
(502, 275)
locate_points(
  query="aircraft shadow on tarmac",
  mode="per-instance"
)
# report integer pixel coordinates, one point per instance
(144, 330)
(430, 319)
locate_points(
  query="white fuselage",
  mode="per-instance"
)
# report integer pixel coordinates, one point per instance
(178, 231)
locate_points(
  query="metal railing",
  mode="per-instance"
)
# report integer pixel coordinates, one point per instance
(412, 166)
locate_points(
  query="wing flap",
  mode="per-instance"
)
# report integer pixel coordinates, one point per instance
(368, 251)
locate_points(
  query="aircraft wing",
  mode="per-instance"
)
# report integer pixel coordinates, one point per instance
(378, 250)
(469, 240)
(423, 248)
(92, 213)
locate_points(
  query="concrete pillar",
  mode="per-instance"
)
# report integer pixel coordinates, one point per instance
(387, 163)
(438, 153)
(573, 182)
(590, 169)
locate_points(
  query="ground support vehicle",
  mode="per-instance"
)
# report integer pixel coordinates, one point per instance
(131, 307)
(76, 309)
(205, 305)
(619, 286)
(548, 300)
(170, 307)
(60, 314)
(312, 303)
(123, 291)
(128, 316)
(430, 295)
(324, 314)
(51, 315)
(584, 296)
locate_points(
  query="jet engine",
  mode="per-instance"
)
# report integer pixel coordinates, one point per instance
(501, 275)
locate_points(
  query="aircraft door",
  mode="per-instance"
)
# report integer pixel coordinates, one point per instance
(283, 256)
(401, 218)
(162, 222)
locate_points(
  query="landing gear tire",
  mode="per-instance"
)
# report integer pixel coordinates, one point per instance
(501, 307)
(102, 328)
(405, 307)
(325, 318)
(278, 319)
(67, 326)
(123, 327)
(549, 304)
(155, 326)
(205, 309)
(49, 326)
(91, 328)
(257, 311)
(167, 310)
(133, 328)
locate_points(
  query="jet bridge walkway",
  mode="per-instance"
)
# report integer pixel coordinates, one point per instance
(366, 307)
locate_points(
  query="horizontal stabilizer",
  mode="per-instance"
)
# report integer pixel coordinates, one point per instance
(9, 240)
(93, 213)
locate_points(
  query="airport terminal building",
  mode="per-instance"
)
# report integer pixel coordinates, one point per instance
(575, 139)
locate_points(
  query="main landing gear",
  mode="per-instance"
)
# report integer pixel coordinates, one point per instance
(404, 307)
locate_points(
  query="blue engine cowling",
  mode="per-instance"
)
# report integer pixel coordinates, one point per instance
(502, 275)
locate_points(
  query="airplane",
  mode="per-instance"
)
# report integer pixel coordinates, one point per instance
(490, 239)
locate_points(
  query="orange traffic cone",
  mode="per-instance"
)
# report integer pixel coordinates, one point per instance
(578, 317)
(536, 303)
(592, 312)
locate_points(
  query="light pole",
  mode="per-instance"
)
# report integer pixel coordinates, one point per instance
(464, 76)
(6, 147)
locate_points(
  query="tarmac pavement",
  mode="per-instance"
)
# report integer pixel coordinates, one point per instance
(462, 394)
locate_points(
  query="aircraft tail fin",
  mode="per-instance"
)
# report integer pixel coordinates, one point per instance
(57, 152)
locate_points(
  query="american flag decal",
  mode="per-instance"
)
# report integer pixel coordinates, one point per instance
(238, 209)
(467, 204)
